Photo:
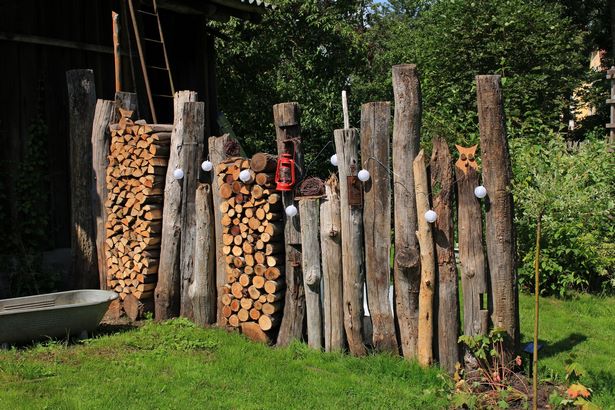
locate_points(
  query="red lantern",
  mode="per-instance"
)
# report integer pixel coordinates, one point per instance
(285, 173)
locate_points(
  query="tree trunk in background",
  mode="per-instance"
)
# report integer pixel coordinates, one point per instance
(447, 304)
(287, 126)
(347, 149)
(375, 120)
(168, 293)
(499, 228)
(612, 8)
(331, 243)
(406, 138)
(192, 152)
(81, 107)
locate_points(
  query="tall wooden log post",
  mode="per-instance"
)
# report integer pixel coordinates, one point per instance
(167, 295)
(202, 289)
(331, 243)
(500, 235)
(406, 138)
(471, 253)
(287, 127)
(192, 151)
(428, 265)
(104, 114)
(310, 244)
(81, 108)
(347, 150)
(375, 146)
(216, 156)
(447, 306)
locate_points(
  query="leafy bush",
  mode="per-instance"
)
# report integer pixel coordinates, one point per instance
(576, 192)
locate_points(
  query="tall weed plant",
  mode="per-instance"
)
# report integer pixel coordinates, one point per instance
(576, 191)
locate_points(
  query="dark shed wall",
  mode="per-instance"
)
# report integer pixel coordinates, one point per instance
(32, 84)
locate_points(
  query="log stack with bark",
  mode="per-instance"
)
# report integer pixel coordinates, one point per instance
(135, 177)
(253, 244)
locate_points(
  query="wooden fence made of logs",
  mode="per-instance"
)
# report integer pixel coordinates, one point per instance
(280, 266)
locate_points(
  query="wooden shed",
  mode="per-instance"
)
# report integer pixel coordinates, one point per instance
(39, 41)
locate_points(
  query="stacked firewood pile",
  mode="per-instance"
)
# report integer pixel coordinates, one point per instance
(135, 177)
(252, 239)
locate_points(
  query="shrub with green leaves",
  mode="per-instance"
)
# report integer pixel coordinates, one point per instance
(576, 193)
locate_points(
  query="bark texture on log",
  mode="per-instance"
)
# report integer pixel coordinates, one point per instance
(310, 243)
(375, 147)
(499, 229)
(406, 138)
(347, 150)
(428, 265)
(126, 101)
(216, 156)
(81, 107)
(286, 117)
(447, 306)
(471, 254)
(167, 295)
(331, 243)
(104, 114)
(192, 151)
(202, 290)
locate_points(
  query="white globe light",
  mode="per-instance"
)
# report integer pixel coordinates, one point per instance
(207, 166)
(334, 160)
(480, 191)
(245, 175)
(363, 175)
(291, 210)
(431, 216)
(178, 173)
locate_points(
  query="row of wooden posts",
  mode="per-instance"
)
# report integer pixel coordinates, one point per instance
(338, 243)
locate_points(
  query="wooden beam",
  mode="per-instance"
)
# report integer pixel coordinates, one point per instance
(81, 108)
(55, 42)
(375, 147)
(167, 293)
(499, 228)
(406, 137)
(347, 151)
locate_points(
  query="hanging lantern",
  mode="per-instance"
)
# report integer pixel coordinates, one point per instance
(285, 173)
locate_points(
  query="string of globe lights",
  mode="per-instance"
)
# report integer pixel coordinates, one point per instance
(363, 175)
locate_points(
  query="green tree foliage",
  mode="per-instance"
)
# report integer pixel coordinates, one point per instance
(576, 191)
(304, 51)
(531, 43)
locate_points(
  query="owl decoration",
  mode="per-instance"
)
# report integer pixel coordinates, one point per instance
(467, 158)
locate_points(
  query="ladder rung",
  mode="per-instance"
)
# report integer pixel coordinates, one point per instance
(149, 13)
(157, 68)
(152, 40)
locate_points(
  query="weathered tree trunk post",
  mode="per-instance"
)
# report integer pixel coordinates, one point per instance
(192, 151)
(447, 307)
(500, 235)
(202, 290)
(331, 243)
(81, 107)
(104, 114)
(216, 156)
(167, 295)
(310, 244)
(375, 120)
(471, 253)
(406, 138)
(287, 127)
(347, 150)
(428, 265)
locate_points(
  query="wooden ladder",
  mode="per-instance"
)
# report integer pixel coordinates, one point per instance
(150, 44)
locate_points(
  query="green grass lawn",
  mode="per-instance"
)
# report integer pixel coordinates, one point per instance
(176, 365)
